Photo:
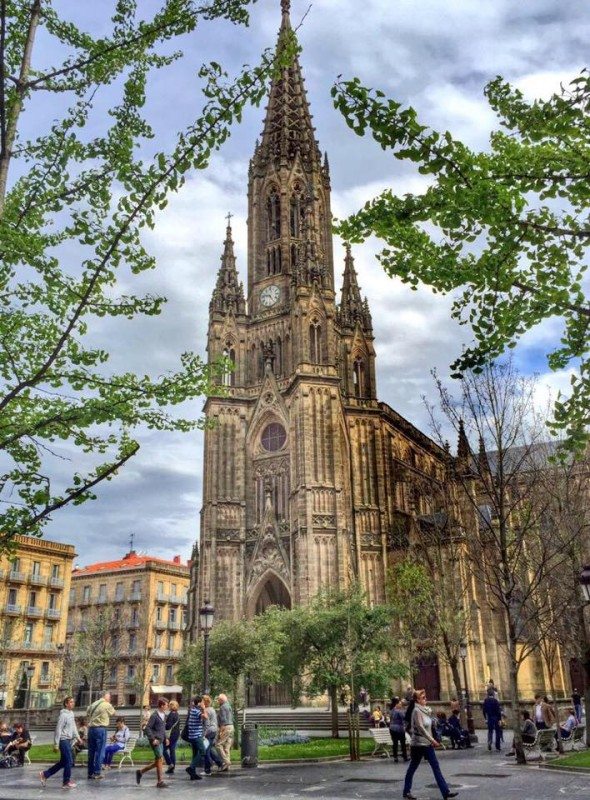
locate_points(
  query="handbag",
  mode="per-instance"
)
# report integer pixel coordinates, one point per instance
(184, 732)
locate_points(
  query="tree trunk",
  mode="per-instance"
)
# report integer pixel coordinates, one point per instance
(555, 710)
(515, 705)
(334, 711)
(459, 689)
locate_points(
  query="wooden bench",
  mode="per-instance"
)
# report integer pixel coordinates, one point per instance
(544, 743)
(382, 739)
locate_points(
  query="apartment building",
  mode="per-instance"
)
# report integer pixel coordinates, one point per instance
(34, 586)
(134, 613)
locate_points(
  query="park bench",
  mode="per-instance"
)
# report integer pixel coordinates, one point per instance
(127, 751)
(576, 740)
(382, 739)
(544, 743)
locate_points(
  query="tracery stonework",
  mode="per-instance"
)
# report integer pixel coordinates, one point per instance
(307, 477)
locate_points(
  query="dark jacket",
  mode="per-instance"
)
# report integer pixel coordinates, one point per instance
(155, 728)
(173, 726)
(492, 711)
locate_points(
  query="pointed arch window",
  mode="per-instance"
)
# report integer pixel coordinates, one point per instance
(315, 342)
(273, 214)
(229, 374)
(358, 377)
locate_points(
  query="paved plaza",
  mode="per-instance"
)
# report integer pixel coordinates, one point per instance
(478, 775)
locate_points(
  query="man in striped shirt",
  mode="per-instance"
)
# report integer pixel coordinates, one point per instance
(196, 723)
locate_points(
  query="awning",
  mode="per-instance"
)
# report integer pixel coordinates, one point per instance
(166, 689)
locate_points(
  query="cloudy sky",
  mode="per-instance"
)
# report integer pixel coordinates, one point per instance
(436, 55)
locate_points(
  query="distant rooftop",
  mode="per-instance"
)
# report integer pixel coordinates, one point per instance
(129, 561)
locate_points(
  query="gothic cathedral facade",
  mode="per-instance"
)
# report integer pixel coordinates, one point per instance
(308, 479)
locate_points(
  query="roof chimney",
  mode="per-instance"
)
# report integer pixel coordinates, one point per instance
(176, 559)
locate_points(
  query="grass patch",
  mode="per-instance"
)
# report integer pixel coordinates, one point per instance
(316, 748)
(581, 759)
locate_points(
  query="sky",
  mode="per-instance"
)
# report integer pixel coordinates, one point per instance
(436, 55)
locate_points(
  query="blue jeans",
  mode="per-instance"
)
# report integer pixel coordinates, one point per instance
(211, 754)
(198, 748)
(170, 752)
(110, 751)
(66, 761)
(416, 756)
(578, 711)
(97, 740)
(494, 727)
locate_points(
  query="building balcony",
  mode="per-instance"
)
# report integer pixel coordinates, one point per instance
(174, 626)
(101, 600)
(133, 623)
(160, 624)
(183, 599)
(16, 577)
(130, 681)
(37, 580)
(53, 613)
(86, 601)
(10, 608)
(56, 583)
(164, 652)
(34, 611)
(161, 597)
(119, 598)
(43, 647)
(134, 597)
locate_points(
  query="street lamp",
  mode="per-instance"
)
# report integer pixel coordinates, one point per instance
(206, 614)
(29, 672)
(463, 654)
(585, 584)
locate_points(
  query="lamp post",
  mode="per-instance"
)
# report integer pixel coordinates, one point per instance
(585, 584)
(29, 672)
(206, 614)
(463, 654)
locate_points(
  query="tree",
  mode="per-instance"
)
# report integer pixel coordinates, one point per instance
(73, 206)
(96, 646)
(511, 554)
(507, 230)
(236, 649)
(348, 643)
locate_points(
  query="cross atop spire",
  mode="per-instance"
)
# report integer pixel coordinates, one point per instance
(228, 294)
(285, 7)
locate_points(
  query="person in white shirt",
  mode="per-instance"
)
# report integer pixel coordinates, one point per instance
(66, 734)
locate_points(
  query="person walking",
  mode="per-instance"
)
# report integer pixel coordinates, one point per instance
(196, 735)
(66, 734)
(155, 730)
(211, 731)
(577, 703)
(172, 734)
(225, 736)
(492, 713)
(423, 746)
(97, 715)
(397, 728)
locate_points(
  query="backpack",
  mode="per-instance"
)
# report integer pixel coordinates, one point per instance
(408, 716)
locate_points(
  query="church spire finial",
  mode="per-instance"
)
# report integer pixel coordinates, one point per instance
(352, 307)
(228, 294)
(285, 7)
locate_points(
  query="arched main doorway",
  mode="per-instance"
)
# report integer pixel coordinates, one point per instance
(271, 591)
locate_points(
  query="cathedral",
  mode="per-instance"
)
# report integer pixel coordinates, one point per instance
(307, 475)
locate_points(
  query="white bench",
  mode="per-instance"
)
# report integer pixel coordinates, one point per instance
(382, 739)
(127, 751)
(544, 743)
(575, 740)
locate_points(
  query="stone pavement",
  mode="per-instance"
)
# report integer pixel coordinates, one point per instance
(477, 775)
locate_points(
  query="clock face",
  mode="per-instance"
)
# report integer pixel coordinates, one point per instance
(270, 296)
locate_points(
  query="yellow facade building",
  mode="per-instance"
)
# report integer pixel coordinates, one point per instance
(34, 586)
(134, 610)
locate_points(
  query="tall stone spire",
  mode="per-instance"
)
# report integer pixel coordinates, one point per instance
(288, 128)
(352, 306)
(463, 449)
(228, 294)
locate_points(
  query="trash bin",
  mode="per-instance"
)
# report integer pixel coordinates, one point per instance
(249, 745)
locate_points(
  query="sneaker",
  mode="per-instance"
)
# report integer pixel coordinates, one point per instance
(138, 776)
(190, 771)
(207, 772)
(42, 778)
(170, 771)
(410, 796)
(223, 768)
(97, 777)
(162, 785)
(489, 746)
(452, 794)
(69, 785)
